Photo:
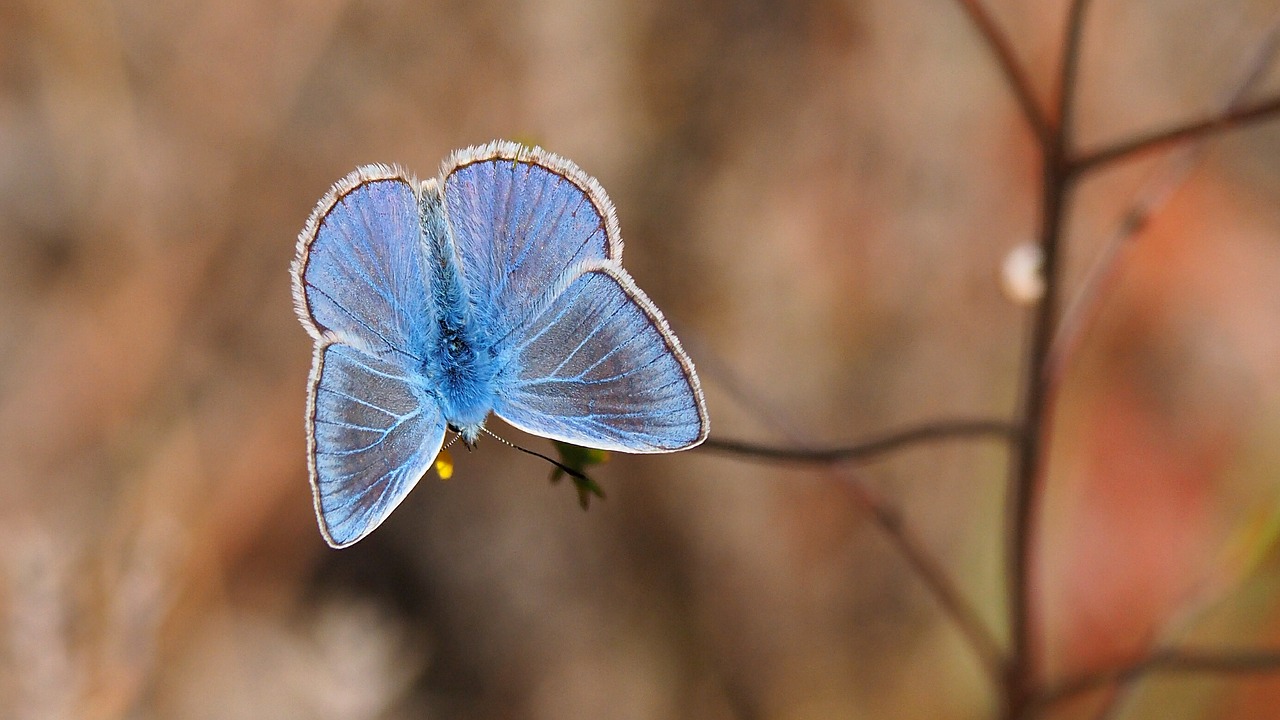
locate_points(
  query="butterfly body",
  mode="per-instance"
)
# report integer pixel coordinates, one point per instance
(496, 288)
(460, 365)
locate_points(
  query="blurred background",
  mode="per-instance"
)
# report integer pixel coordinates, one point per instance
(819, 194)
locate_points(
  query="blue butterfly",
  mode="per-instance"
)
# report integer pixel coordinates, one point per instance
(496, 287)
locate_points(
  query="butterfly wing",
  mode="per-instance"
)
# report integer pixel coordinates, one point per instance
(362, 291)
(599, 367)
(360, 275)
(372, 434)
(584, 355)
(520, 218)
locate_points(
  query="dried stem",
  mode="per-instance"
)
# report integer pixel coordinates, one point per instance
(1040, 389)
(1016, 672)
(1036, 407)
(1253, 112)
(1028, 456)
(872, 448)
(1068, 79)
(1170, 660)
(1102, 273)
(1013, 71)
(884, 516)
(980, 638)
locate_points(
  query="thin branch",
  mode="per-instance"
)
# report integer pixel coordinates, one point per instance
(1156, 192)
(932, 574)
(1035, 417)
(882, 513)
(1013, 71)
(1068, 80)
(872, 448)
(1254, 112)
(1074, 320)
(1201, 662)
(1031, 453)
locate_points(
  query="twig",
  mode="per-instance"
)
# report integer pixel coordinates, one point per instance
(1030, 453)
(1050, 373)
(1202, 602)
(1172, 660)
(1157, 191)
(1253, 112)
(1061, 167)
(1035, 417)
(932, 574)
(1070, 73)
(1013, 71)
(871, 448)
(884, 516)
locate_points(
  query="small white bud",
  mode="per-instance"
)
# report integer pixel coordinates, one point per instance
(1021, 275)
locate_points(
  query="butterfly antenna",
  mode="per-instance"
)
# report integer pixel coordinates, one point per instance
(567, 470)
(451, 441)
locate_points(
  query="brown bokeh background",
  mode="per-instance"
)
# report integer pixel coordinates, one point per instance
(818, 194)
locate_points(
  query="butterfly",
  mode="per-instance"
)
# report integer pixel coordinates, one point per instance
(496, 287)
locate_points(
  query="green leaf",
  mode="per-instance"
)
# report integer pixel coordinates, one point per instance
(578, 459)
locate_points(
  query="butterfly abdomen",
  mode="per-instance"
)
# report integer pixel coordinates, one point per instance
(465, 373)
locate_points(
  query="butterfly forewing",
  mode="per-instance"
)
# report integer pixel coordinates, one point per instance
(361, 270)
(520, 218)
(374, 435)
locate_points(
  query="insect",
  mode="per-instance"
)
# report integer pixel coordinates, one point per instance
(496, 287)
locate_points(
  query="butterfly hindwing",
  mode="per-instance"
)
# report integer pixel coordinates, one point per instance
(598, 367)
(373, 435)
